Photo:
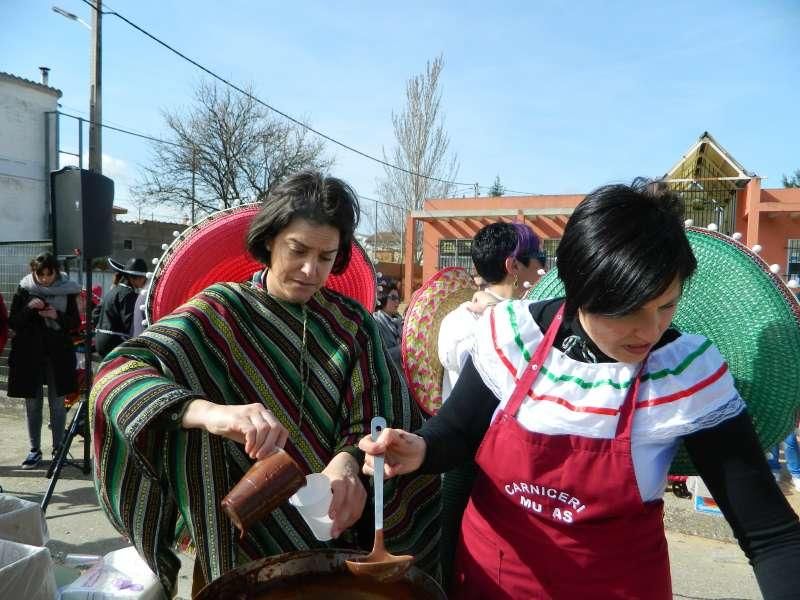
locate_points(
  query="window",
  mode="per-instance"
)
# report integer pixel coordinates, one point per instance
(793, 259)
(127, 244)
(456, 253)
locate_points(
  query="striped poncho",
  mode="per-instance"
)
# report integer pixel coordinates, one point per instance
(235, 344)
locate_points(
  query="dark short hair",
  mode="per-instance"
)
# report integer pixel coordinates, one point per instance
(386, 285)
(308, 195)
(45, 261)
(622, 247)
(495, 242)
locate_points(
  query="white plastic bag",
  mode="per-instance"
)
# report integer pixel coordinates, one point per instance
(701, 497)
(121, 574)
(26, 572)
(22, 521)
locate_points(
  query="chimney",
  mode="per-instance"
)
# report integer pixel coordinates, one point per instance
(45, 74)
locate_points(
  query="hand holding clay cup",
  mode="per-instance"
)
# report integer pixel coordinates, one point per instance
(267, 484)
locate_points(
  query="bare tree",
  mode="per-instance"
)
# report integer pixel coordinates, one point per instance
(223, 151)
(422, 151)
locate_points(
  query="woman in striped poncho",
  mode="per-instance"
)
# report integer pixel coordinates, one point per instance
(181, 412)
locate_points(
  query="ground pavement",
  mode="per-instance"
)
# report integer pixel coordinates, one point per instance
(705, 562)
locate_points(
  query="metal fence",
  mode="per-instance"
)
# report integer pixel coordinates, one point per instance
(711, 205)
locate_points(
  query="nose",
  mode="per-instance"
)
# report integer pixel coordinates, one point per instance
(649, 327)
(309, 268)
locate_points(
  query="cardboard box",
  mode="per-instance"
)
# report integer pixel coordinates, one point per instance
(26, 572)
(22, 521)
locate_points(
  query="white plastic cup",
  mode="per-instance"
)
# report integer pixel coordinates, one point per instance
(313, 501)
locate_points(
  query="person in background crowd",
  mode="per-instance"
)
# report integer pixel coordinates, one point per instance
(505, 255)
(115, 313)
(389, 319)
(44, 313)
(181, 412)
(574, 408)
(3, 324)
(791, 452)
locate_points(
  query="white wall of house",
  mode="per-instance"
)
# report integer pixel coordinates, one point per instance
(26, 155)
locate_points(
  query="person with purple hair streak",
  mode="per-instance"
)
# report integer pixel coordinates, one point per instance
(507, 256)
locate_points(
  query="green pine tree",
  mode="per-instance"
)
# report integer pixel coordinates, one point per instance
(497, 188)
(792, 181)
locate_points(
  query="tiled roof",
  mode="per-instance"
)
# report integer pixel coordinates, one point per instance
(28, 82)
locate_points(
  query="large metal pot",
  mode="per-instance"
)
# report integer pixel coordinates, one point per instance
(279, 573)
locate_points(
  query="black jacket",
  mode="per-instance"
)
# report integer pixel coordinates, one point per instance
(115, 313)
(33, 341)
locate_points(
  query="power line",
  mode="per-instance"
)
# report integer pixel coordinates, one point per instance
(160, 141)
(272, 108)
(471, 186)
(121, 130)
(80, 112)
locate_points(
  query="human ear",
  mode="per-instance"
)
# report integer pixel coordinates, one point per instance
(511, 265)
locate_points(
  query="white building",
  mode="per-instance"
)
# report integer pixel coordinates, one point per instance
(28, 152)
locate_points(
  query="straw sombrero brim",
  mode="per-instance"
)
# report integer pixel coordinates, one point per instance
(213, 250)
(751, 316)
(439, 295)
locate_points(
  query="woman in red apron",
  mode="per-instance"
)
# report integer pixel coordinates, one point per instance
(573, 410)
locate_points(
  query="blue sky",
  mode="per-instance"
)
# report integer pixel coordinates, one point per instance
(553, 97)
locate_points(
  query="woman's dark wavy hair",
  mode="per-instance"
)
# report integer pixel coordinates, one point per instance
(308, 195)
(623, 246)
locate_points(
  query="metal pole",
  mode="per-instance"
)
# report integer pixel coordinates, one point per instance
(87, 346)
(375, 241)
(194, 168)
(57, 152)
(80, 142)
(48, 203)
(95, 87)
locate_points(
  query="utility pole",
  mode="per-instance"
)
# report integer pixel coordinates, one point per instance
(477, 192)
(95, 84)
(194, 168)
(375, 239)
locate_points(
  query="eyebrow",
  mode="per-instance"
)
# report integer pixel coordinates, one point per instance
(673, 300)
(304, 247)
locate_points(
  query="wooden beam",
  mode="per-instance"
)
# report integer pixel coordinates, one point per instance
(775, 207)
(434, 215)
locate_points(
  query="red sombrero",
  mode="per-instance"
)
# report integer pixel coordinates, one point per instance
(214, 250)
(442, 293)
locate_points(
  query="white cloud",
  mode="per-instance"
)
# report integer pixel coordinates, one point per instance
(115, 169)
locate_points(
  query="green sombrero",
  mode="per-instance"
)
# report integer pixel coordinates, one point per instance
(736, 301)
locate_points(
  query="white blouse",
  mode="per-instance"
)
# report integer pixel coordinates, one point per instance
(685, 387)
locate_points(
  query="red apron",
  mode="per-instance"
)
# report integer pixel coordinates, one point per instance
(559, 516)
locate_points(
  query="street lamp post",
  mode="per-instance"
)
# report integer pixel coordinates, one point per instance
(95, 81)
(80, 420)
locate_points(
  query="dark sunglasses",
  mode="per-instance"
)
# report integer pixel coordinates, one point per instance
(393, 297)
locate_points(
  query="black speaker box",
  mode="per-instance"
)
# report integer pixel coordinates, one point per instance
(82, 203)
